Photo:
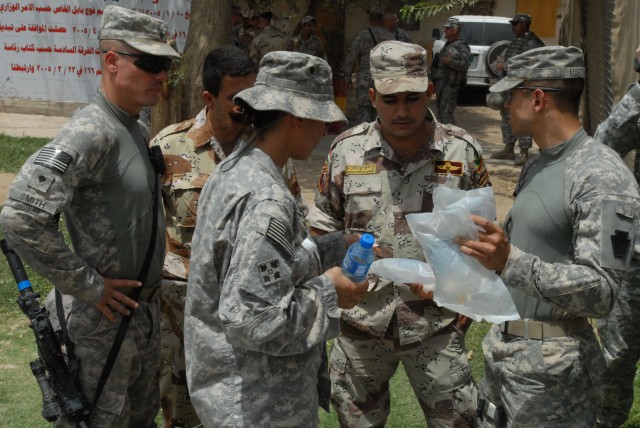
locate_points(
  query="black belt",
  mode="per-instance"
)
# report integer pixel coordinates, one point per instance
(544, 329)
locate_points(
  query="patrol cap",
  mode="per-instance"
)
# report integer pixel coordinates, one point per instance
(375, 13)
(294, 82)
(399, 67)
(521, 17)
(307, 19)
(138, 30)
(453, 21)
(545, 63)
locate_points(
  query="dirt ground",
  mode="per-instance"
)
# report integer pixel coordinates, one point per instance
(482, 122)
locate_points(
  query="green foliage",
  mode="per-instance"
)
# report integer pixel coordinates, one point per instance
(16, 150)
(420, 9)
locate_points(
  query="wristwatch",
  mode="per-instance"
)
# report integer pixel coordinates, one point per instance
(636, 65)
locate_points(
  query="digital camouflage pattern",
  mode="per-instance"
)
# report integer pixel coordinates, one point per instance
(572, 231)
(96, 172)
(364, 187)
(521, 44)
(312, 46)
(138, 30)
(257, 313)
(296, 83)
(449, 78)
(358, 56)
(619, 331)
(268, 40)
(191, 153)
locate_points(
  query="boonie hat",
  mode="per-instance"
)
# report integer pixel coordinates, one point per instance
(138, 30)
(399, 67)
(451, 22)
(545, 63)
(294, 82)
(521, 17)
(307, 19)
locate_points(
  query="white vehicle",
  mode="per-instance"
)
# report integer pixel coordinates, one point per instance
(487, 37)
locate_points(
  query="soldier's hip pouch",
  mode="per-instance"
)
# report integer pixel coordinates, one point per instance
(540, 330)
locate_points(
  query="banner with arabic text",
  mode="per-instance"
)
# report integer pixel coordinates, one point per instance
(50, 48)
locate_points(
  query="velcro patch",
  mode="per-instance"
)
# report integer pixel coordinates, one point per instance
(41, 181)
(448, 167)
(279, 234)
(270, 272)
(53, 158)
(360, 169)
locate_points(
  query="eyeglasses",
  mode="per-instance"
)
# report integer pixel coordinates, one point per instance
(149, 63)
(533, 88)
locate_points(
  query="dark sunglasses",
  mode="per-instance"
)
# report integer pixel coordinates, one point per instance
(149, 63)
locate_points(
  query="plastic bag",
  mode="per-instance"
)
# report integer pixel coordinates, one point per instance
(407, 271)
(462, 283)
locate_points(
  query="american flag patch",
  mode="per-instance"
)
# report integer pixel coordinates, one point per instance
(279, 234)
(53, 158)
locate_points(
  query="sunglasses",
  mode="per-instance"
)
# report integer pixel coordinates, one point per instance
(149, 63)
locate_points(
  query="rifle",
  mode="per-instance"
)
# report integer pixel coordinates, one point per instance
(59, 386)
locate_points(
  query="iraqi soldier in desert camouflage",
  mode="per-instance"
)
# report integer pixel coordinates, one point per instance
(270, 39)
(619, 331)
(97, 173)
(449, 70)
(358, 56)
(525, 40)
(307, 42)
(375, 174)
(259, 309)
(566, 246)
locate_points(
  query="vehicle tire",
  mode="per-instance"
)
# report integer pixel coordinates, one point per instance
(496, 52)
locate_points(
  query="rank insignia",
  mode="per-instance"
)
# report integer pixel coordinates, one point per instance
(620, 242)
(270, 272)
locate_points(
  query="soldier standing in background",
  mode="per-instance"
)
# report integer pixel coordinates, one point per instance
(525, 40)
(449, 71)
(390, 23)
(358, 55)
(191, 150)
(270, 39)
(619, 331)
(307, 42)
(236, 26)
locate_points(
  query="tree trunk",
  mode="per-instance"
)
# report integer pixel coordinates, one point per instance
(209, 27)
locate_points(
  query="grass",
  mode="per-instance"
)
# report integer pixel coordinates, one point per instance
(20, 399)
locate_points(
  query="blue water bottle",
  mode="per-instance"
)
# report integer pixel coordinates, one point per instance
(358, 259)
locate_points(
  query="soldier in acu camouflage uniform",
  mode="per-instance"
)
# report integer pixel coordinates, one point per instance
(307, 42)
(259, 309)
(566, 246)
(97, 173)
(449, 70)
(358, 55)
(525, 40)
(619, 331)
(191, 150)
(270, 39)
(375, 174)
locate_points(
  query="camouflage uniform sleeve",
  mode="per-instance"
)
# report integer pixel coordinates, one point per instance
(587, 285)
(327, 214)
(460, 60)
(268, 303)
(621, 130)
(42, 190)
(352, 56)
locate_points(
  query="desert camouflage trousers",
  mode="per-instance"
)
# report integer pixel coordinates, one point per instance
(446, 101)
(362, 365)
(523, 142)
(175, 401)
(130, 395)
(620, 339)
(549, 383)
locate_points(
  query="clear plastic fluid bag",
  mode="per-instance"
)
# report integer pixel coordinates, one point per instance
(462, 283)
(407, 271)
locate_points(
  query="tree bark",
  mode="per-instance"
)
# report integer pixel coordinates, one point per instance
(209, 27)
